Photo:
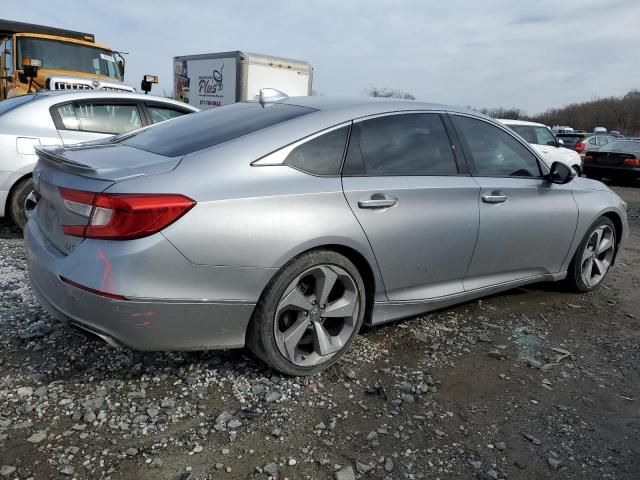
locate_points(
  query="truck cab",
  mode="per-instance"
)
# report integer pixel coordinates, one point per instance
(65, 59)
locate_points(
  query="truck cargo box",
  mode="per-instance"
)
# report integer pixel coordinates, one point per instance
(216, 79)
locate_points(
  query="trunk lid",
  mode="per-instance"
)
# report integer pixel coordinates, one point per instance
(610, 158)
(90, 168)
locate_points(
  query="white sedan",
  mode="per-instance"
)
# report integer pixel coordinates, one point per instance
(545, 143)
(65, 118)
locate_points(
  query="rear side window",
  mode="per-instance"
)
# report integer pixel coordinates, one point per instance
(494, 152)
(321, 155)
(407, 144)
(160, 114)
(192, 133)
(99, 117)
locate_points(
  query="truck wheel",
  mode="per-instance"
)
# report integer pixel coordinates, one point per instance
(594, 256)
(309, 313)
(19, 195)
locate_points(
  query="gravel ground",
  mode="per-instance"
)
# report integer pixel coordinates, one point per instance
(534, 383)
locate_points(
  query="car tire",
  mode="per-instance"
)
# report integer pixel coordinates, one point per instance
(577, 170)
(296, 326)
(593, 258)
(19, 195)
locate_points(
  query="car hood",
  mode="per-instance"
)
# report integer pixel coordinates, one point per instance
(591, 184)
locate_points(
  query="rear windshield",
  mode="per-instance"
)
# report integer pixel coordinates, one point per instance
(10, 104)
(572, 136)
(198, 131)
(624, 146)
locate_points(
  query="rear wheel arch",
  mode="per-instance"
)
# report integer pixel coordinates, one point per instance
(357, 258)
(12, 192)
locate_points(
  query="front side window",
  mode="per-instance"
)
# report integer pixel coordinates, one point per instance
(493, 152)
(544, 136)
(321, 155)
(407, 144)
(100, 118)
(68, 56)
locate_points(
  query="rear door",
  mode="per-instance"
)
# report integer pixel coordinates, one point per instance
(527, 224)
(92, 120)
(417, 208)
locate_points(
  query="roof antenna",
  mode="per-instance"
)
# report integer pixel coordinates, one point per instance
(271, 95)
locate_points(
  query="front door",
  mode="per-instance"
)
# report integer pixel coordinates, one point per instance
(418, 212)
(527, 224)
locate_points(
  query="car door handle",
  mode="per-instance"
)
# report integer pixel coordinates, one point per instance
(385, 202)
(494, 198)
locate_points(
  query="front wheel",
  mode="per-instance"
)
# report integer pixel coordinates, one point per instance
(577, 170)
(594, 256)
(309, 314)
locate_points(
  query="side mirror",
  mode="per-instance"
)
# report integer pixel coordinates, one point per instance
(120, 63)
(30, 66)
(147, 82)
(560, 173)
(560, 142)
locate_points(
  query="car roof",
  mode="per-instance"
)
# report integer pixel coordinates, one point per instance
(371, 104)
(56, 96)
(507, 121)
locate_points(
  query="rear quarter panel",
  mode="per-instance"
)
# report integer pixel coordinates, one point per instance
(254, 217)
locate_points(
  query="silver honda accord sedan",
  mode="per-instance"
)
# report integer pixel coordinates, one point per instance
(284, 225)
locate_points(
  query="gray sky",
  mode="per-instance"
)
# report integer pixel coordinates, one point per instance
(511, 53)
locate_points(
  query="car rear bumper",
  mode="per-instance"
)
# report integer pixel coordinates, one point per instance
(617, 171)
(141, 324)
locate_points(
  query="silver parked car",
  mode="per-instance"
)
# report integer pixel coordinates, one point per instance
(285, 225)
(66, 118)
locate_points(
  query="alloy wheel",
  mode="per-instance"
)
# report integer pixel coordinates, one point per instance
(597, 255)
(316, 315)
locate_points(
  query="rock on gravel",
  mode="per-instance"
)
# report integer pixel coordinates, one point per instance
(271, 469)
(554, 463)
(37, 437)
(388, 465)
(7, 470)
(346, 473)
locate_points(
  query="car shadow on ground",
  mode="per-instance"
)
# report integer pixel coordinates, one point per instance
(8, 229)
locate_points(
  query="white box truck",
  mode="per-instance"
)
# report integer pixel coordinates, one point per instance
(216, 79)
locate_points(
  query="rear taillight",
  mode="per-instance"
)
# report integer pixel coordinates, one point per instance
(587, 159)
(632, 162)
(123, 216)
(579, 147)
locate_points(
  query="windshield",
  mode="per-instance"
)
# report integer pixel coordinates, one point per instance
(14, 102)
(73, 57)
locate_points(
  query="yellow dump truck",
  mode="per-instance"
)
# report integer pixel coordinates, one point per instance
(35, 57)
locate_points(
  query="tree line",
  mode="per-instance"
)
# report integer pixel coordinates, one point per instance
(614, 113)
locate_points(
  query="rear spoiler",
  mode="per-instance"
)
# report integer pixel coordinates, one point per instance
(54, 155)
